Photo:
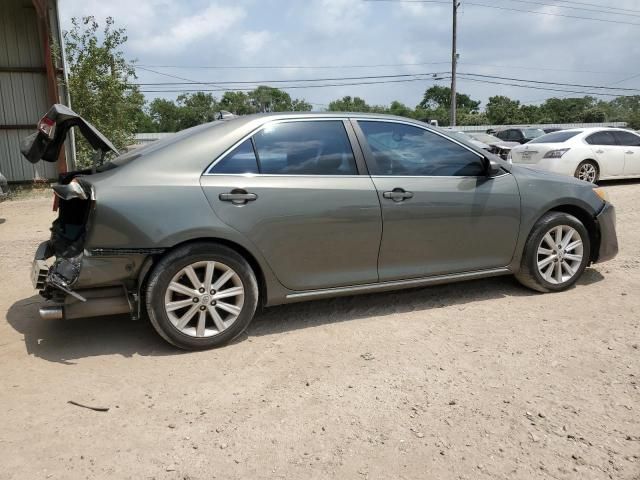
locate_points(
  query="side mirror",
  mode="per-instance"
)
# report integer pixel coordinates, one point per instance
(492, 168)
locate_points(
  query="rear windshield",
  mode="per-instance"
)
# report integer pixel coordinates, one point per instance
(555, 137)
(155, 145)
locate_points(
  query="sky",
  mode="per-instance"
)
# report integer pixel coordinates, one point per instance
(327, 39)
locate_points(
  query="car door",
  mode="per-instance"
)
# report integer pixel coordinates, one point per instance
(630, 143)
(607, 152)
(441, 213)
(294, 189)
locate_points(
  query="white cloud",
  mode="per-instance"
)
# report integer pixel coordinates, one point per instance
(332, 17)
(352, 32)
(254, 42)
(212, 22)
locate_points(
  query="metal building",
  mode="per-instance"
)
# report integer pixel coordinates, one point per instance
(31, 80)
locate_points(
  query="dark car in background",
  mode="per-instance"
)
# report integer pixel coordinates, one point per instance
(520, 134)
(201, 229)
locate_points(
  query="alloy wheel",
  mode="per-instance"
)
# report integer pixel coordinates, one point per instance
(587, 172)
(560, 254)
(204, 299)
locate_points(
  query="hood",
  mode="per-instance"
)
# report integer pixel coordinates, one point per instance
(46, 143)
(547, 175)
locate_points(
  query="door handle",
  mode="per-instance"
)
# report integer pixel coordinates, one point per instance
(397, 194)
(629, 152)
(238, 196)
(600, 151)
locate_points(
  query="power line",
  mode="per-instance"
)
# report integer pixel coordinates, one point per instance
(547, 13)
(284, 67)
(537, 68)
(626, 79)
(165, 74)
(553, 83)
(286, 87)
(514, 10)
(570, 7)
(417, 76)
(533, 87)
(596, 5)
(257, 82)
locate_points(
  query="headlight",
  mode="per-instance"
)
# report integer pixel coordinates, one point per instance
(556, 153)
(602, 193)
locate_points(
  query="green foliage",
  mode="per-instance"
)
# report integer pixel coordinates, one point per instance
(439, 97)
(501, 110)
(349, 104)
(237, 103)
(195, 109)
(190, 110)
(100, 83)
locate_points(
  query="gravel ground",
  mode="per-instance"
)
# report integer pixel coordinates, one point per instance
(476, 380)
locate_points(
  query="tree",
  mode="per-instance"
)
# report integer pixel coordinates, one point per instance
(400, 109)
(567, 110)
(300, 105)
(440, 97)
(195, 109)
(99, 81)
(502, 110)
(237, 103)
(270, 99)
(349, 104)
(165, 115)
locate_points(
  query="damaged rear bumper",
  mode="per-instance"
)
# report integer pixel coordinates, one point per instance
(61, 282)
(59, 278)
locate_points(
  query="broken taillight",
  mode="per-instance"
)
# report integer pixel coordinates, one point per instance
(47, 126)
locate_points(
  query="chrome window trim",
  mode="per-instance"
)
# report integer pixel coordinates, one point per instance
(423, 127)
(208, 172)
(439, 176)
(250, 175)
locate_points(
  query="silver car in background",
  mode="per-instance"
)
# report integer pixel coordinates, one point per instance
(200, 229)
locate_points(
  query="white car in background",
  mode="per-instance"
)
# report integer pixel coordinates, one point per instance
(590, 154)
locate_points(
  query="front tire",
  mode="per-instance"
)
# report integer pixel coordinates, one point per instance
(587, 171)
(556, 253)
(201, 296)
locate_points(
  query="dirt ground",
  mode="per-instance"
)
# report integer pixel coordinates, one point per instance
(467, 381)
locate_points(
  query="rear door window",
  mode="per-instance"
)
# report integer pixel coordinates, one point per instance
(627, 139)
(305, 148)
(604, 137)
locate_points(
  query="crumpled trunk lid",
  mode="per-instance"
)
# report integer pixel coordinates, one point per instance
(46, 143)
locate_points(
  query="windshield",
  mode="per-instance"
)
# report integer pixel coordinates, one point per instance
(484, 137)
(556, 137)
(532, 132)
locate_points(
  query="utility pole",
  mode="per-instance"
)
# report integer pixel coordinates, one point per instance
(454, 62)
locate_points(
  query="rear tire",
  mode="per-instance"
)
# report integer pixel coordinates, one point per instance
(587, 171)
(201, 296)
(556, 253)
